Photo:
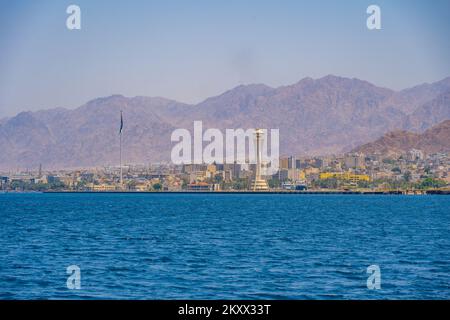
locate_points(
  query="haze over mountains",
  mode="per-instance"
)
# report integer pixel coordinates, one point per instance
(328, 115)
(433, 140)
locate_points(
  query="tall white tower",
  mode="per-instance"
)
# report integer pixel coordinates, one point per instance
(258, 183)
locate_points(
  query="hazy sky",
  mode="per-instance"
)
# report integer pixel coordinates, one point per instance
(189, 50)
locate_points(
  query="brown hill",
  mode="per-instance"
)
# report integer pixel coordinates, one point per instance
(433, 140)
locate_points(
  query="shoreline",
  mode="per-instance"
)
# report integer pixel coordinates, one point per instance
(284, 192)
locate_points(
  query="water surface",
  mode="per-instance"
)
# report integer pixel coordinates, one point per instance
(224, 246)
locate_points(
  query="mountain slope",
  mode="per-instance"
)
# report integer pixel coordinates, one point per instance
(409, 100)
(430, 113)
(314, 116)
(86, 136)
(328, 115)
(433, 140)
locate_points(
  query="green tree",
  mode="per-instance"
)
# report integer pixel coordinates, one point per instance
(157, 186)
(430, 183)
(396, 169)
(331, 183)
(218, 178)
(274, 183)
(407, 176)
(240, 184)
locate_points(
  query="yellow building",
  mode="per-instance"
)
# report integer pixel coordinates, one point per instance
(311, 171)
(347, 176)
(68, 181)
(141, 187)
(199, 176)
(103, 187)
(296, 174)
(211, 168)
(302, 175)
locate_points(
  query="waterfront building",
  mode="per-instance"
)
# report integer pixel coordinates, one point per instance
(199, 186)
(282, 174)
(288, 186)
(101, 187)
(228, 175)
(414, 155)
(141, 187)
(296, 174)
(322, 162)
(87, 177)
(197, 176)
(3, 182)
(212, 168)
(292, 163)
(21, 177)
(283, 163)
(234, 169)
(354, 160)
(311, 171)
(346, 176)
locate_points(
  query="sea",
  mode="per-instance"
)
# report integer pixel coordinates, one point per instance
(223, 246)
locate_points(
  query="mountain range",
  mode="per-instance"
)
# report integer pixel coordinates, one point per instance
(434, 140)
(315, 116)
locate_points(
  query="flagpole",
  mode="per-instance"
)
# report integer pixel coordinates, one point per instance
(121, 178)
(120, 164)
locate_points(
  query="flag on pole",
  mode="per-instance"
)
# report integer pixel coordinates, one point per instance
(121, 123)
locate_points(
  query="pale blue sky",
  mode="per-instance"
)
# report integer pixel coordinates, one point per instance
(190, 50)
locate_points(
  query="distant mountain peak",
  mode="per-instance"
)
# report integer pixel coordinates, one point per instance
(253, 87)
(22, 117)
(243, 91)
(107, 99)
(332, 77)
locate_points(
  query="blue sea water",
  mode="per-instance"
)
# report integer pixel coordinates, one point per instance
(216, 246)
